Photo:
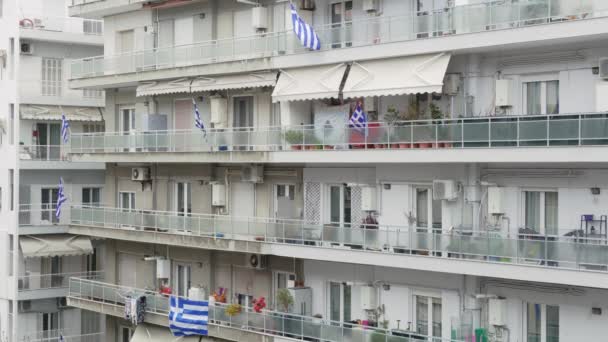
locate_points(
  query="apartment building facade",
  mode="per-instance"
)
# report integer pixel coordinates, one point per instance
(470, 207)
(38, 41)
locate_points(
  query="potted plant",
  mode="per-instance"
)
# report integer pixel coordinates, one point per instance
(437, 116)
(284, 300)
(233, 310)
(295, 139)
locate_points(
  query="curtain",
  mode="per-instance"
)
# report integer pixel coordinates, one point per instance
(422, 209)
(551, 227)
(533, 105)
(552, 97)
(532, 214)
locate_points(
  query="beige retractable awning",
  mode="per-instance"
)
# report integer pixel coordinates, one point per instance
(227, 82)
(152, 333)
(311, 83)
(37, 112)
(397, 76)
(55, 245)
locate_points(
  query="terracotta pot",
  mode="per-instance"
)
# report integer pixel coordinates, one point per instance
(328, 147)
(296, 147)
(395, 146)
(440, 144)
(448, 145)
(425, 145)
(405, 145)
(357, 146)
(380, 145)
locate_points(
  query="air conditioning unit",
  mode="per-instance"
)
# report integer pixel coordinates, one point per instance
(218, 194)
(252, 174)
(27, 48)
(219, 111)
(371, 5)
(256, 261)
(62, 303)
(445, 190)
(503, 93)
(259, 18)
(604, 68)
(368, 199)
(140, 174)
(495, 201)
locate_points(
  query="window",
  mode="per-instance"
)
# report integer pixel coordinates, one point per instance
(127, 120)
(92, 27)
(540, 211)
(284, 203)
(282, 280)
(339, 302)
(91, 261)
(182, 279)
(52, 76)
(49, 322)
(93, 128)
(48, 141)
(48, 204)
(341, 16)
(183, 194)
(428, 210)
(428, 315)
(91, 197)
(541, 97)
(126, 200)
(92, 93)
(542, 323)
(125, 334)
(340, 205)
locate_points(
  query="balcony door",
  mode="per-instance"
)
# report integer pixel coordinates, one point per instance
(183, 277)
(341, 17)
(49, 322)
(127, 127)
(340, 205)
(427, 315)
(48, 201)
(51, 267)
(428, 210)
(125, 45)
(339, 302)
(183, 198)
(184, 114)
(49, 139)
(242, 120)
(126, 201)
(285, 201)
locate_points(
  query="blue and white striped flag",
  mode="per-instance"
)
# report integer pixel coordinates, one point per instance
(188, 317)
(358, 120)
(308, 37)
(65, 129)
(60, 199)
(198, 122)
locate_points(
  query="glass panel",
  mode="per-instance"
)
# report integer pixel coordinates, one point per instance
(436, 214)
(422, 209)
(552, 97)
(533, 319)
(347, 299)
(533, 105)
(347, 206)
(551, 213)
(436, 317)
(552, 323)
(532, 214)
(422, 315)
(334, 301)
(334, 202)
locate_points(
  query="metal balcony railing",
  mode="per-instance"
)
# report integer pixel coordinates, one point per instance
(55, 336)
(573, 251)
(42, 22)
(42, 153)
(54, 280)
(365, 31)
(480, 132)
(42, 215)
(267, 322)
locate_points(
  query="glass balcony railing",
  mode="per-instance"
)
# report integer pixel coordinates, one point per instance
(42, 22)
(573, 250)
(54, 280)
(57, 335)
(483, 132)
(42, 215)
(267, 322)
(42, 153)
(479, 17)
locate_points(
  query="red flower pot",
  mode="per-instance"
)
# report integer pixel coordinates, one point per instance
(404, 145)
(296, 147)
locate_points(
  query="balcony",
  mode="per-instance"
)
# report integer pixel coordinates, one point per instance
(519, 138)
(37, 157)
(61, 29)
(100, 8)
(37, 286)
(362, 32)
(40, 219)
(45, 94)
(467, 252)
(55, 335)
(109, 299)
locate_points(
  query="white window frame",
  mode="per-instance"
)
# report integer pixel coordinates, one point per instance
(543, 79)
(543, 321)
(177, 282)
(346, 41)
(187, 186)
(121, 331)
(429, 296)
(275, 282)
(132, 123)
(132, 200)
(275, 197)
(50, 319)
(429, 227)
(51, 79)
(342, 286)
(89, 200)
(327, 212)
(542, 228)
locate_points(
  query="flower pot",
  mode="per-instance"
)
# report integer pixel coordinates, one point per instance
(425, 145)
(380, 145)
(440, 145)
(328, 147)
(448, 145)
(394, 146)
(357, 146)
(296, 147)
(405, 145)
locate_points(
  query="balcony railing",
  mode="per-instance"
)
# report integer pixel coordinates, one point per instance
(54, 280)
(56, 335)
(43, 22)
(574, 251)
(365, 31)
(42, 215)
(483, 132)
(42, 153)
(267, 322)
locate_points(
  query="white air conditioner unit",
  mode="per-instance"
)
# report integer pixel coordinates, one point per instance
(219, 111)
(371, 5)
(140, 174)
(495, 201)
(445, 190)
(604, 68)
(218, 194)
(27, 48)
(259, 18)
(368, 198)
(503, 93)
(256, 261)
(252, 174)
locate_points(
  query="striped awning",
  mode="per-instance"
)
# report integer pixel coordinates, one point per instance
(38, 112)
(55, 245)
(202, 84)
(310, 83)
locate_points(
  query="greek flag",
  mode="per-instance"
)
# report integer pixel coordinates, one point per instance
(65, 129)
(305, 32)
(188, 316)
(198, 123)
(358, 120)
(60, 199)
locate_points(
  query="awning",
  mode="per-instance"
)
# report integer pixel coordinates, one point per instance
(55, 245)
(153, 333)
(36, 112)
(397, 76)
(200, 84)
(319, 82)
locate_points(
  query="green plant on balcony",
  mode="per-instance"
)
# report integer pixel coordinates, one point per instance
(233, 310)
(294, 137)
(284, 300)
(436, 113)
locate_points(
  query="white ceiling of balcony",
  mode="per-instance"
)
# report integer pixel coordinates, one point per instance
(36, 112)
(55, 245)
(397, 76)
(152, 333)
(202, 84)
(311, 83)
